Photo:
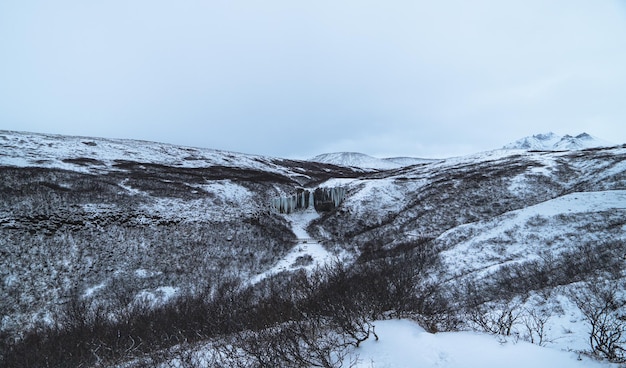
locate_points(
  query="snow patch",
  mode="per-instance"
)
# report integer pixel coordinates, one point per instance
(92, 290)
(158, 296)
(227, 190)
(145, 274)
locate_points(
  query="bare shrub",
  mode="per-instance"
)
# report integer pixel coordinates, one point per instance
(604, 310)
(305, 343)
(534, 322)
(495, 318)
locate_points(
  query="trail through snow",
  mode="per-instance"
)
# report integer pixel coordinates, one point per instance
(308, 254)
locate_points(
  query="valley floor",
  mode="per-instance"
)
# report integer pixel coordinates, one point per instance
(307, 254)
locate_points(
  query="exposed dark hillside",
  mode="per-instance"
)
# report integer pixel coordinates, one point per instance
(66, 233)
(105, 229)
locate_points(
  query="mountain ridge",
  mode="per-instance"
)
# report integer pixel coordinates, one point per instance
(553, 142)
(540, 142)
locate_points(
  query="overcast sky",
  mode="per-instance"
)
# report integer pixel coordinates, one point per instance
(299, 78)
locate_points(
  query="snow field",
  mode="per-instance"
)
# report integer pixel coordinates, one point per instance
(403, 344)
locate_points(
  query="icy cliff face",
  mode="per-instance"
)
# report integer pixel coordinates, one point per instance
(323, 199)
(300, 201)
(554, 142)
(328, 198)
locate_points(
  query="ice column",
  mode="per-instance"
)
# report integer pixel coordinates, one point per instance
(323, 199)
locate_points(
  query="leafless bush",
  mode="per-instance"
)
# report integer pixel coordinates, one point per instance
(305, 343)
(495, 318)
(534, 322)
(603, 307)
(286, 320)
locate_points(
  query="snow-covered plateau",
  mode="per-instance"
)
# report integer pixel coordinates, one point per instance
(129, 253)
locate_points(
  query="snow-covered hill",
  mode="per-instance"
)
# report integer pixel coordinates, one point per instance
(554, 142)
(360, 160)
(130, 208)
(518, 230)
(518, 223)
(434, 197)
(537, 142)
(86, 154)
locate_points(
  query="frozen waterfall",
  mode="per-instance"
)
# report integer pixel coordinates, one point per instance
(322, 199)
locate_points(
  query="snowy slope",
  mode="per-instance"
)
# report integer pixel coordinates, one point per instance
(553, 225)
(211, 176)
(551, 141)
(507, 212)
(100, 154)
(438, 196)
(403, 343)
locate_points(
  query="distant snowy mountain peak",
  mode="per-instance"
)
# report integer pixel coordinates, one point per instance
(553, 142)
(361, 160)
(546, 136)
